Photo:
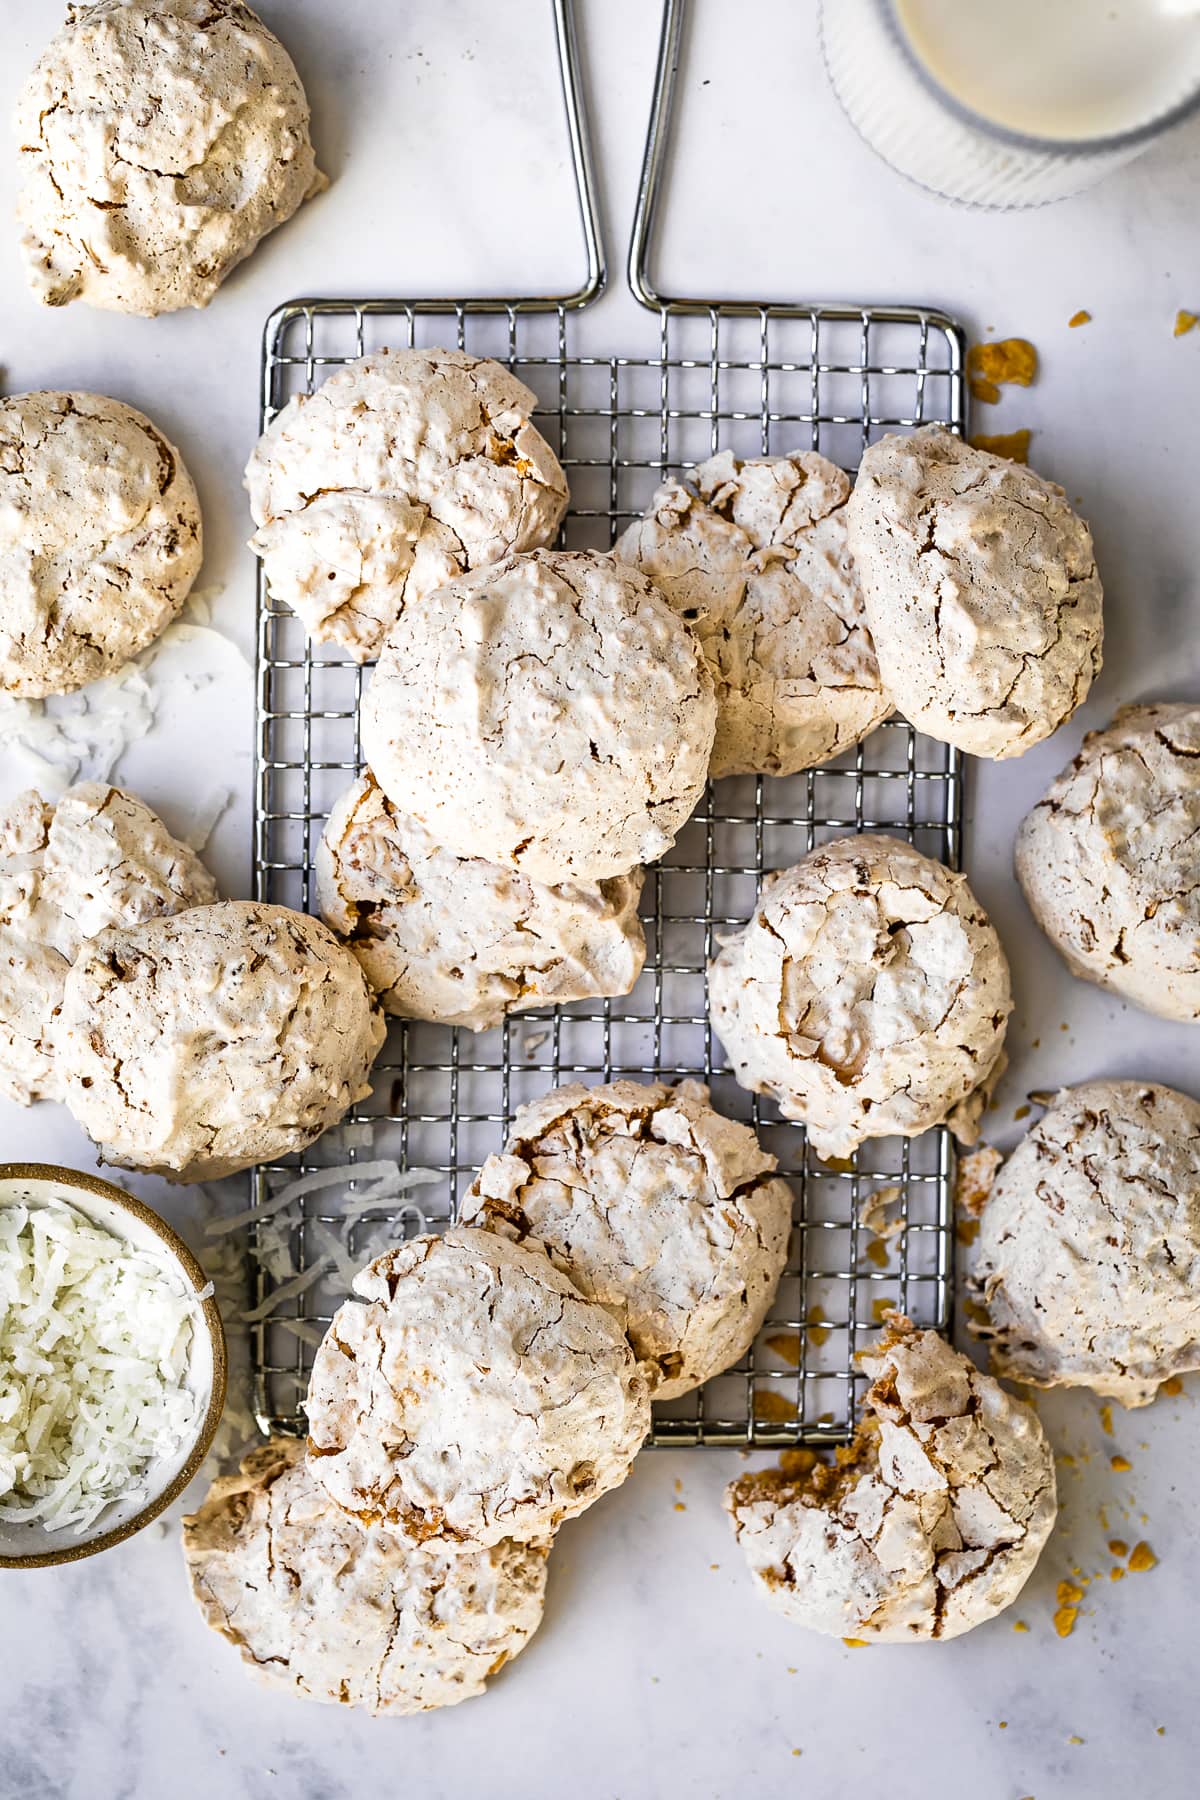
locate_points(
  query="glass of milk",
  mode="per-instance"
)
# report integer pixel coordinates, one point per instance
(1012, 102)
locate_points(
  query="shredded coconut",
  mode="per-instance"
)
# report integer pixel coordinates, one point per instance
(94, 1342)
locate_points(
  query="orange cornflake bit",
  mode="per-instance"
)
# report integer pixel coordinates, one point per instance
(1121, 1464)
(1184, 321)
(1082, 317)
(1013, 446)
(1074, 1740)
(1020, 1625)
(1141, 1557)
(1067, 1594)
(796, 1464)
(818, 1324)
(876, 1252)
(1118, 1547)
(1172, 1386)
(1106, 1419)
(773, 1408)
(1010, 362)
(880, 1310)
(786, 1346)
(855, 1643)
(977, 1314)
(679, 1506)
(1064, 1620)
(714, 1565)
(1116, 1573)
(1022, 1112)
(966, 1231)
(1159, 1730)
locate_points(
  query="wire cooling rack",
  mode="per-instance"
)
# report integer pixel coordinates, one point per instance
(760, 379)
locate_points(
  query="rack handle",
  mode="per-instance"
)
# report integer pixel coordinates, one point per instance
(583, 166)
(655, 156)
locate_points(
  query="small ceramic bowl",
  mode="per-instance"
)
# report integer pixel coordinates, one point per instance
(32, 1546)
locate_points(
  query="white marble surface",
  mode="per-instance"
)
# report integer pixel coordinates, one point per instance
(657, 1672)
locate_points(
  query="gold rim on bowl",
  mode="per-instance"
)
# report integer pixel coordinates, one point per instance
(107, 1190)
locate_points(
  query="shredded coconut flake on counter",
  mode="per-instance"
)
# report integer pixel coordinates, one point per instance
(80, 735)
(94, 1340)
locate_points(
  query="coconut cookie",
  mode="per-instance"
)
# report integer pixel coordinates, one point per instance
(550, 714)
(323, 1607)
(869, 994)
(99, 857)
(657, 1207)
(476, 1395)
(464, 942)
(928, 1525)
(233, 1034)
(1088, 1255)
(161, 139)
(99, 539)
(981, 591)
(755, 556)
(1108, 859)
(404, 470)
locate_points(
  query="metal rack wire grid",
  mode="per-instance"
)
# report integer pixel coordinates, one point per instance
(760, 381)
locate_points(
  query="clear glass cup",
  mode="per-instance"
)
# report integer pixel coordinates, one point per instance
(898, 105)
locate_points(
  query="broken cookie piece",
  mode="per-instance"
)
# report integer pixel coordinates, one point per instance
(460, 941)
(321, 1606)
(868, 995)
(232, 1034)
(929, 1523)
(404, 470)
(657, 1207)
(981, 591)
(754, 555)
(471, 1393)
(549, 713)
(1107, 859)
(1088, 1256)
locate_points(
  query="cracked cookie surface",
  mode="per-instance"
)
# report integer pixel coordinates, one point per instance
(99, 539)
(323, 1607)
(981, 591)
(98, 857)
(160, 141)
(232, 1034)
(755, 556)
(1107, 859)
(463, 942)
(1088, 1255)
(868, 995)
(405, 469)
(549, 713)
(657, 1207)
(471, 1393)
(929, 1524)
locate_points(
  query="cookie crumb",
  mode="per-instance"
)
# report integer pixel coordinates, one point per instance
(1082, 317)
(1172, 1386)
(1142, 1557)
(1013, 446)
(973, 1179)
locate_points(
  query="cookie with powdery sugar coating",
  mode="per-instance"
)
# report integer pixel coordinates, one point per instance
(459, 941)
(1087, 1261)
(233, 1034)
(160, 141)
(470, 1393)
(1107, 859)
(549, 713)
(929, 1524)
(755, 556)
(98, 857)
(326, 1608)
(99, 539)
(404, 470)
(981, 591)
(664, 1211)
(869, 994)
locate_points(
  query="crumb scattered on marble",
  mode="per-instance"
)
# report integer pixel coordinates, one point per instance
(1013, 446)
(1141, 1557)
(855, 1643)
(1007, 362)
(1082, 317)
(1184, 321)
(1172, 1386)
(1106, 1419)
(1020, 1625)
(1120, 1463)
